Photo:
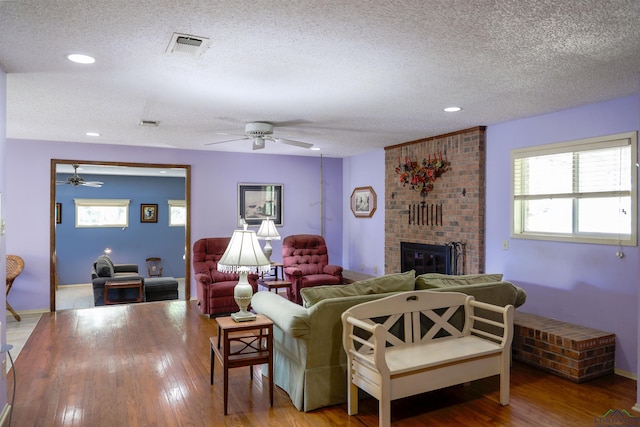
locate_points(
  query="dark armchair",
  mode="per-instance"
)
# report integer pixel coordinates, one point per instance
(215, 289)
(305, 262)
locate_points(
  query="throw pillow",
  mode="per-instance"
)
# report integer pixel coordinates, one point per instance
(104, 266)
(437, 280)
(399, 282)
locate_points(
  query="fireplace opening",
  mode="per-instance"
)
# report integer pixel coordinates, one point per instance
(426, 258)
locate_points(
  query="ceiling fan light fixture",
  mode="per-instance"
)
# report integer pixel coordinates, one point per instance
(258, 143)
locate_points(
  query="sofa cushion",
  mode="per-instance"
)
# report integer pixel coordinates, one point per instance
(437, 280)
(399, 282)
(104, 266)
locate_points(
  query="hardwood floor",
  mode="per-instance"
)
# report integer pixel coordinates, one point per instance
(148, 365)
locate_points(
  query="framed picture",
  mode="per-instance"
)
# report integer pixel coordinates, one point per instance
(58, 213)
(259, 201)
(148, 213)
(363, 202)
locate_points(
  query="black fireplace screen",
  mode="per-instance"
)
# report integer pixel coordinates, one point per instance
(425, 258)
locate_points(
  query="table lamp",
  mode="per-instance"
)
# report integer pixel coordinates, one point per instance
(243, 256)
(268, 232)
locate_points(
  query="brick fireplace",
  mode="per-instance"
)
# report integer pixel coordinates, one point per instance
(452, 212)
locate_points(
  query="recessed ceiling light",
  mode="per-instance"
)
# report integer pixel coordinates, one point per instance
(315, 148)
(81, 59)
(92, 134)
(452, 109)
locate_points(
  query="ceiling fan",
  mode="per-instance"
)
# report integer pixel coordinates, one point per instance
(76, 180)
(260, 132)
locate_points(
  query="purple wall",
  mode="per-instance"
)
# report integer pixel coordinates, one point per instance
(214, 179)
(578, 283)
(3, 209)
(364, 237)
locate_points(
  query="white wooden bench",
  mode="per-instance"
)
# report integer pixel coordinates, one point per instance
(414, 342)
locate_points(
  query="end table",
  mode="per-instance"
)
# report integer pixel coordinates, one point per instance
(243, 344)
(278, 284)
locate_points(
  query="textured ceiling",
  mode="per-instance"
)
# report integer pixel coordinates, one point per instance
(346, 76)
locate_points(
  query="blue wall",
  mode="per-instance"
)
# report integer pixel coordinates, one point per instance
(77, 248)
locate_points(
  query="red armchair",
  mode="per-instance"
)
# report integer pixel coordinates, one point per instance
(215, 289)
(306, 263)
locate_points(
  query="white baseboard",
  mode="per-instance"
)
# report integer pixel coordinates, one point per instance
(36, 311)
(625, 374)
(636, 407)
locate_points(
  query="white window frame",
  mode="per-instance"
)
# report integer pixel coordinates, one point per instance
(519, 196)
(177, 204)
(120, 203)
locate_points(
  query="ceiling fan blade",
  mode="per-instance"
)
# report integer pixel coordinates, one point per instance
(227, 140)
(292, 142)
(294, 122)
(95, 184)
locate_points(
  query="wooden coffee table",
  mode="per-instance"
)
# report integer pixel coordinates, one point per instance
(129, 284)
(243, 344)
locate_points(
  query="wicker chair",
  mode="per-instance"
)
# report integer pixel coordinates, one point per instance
(15, 265)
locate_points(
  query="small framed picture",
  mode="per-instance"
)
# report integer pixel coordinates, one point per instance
(58, 213)
(363, 202)
(148, 213)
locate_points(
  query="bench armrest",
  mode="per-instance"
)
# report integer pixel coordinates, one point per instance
(506, 325)
(367, 352)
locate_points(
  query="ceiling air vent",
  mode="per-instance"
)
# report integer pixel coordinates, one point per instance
(187, 45)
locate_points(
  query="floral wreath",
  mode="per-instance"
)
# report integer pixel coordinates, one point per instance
(422, 177)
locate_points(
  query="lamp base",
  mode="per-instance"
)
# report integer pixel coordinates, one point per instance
(268, 250)
(242, 294)
(243, 316)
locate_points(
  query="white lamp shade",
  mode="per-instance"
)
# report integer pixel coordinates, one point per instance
(244, 252)
(243, 255)
(268, 230)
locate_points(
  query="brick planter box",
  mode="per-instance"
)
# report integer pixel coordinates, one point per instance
(569, 351)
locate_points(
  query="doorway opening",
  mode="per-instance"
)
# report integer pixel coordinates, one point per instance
(119, 171)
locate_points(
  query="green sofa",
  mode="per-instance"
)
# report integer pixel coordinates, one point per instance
(309, 361)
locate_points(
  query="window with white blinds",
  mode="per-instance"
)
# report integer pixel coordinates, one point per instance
(580, 191)
(177, 213)
(102, 212)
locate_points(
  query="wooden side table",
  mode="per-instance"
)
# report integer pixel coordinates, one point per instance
(243, 344)
(278, 284)
(129, 284)
(276, 266)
